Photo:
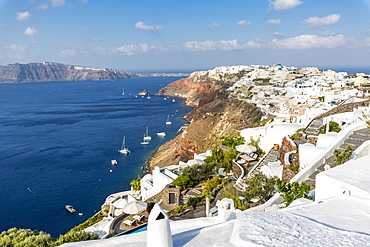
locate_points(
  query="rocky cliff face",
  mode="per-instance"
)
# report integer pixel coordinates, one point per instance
(216, 114)
(199, 88)
(37, 72)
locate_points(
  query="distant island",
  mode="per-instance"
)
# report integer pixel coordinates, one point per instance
(49, 71)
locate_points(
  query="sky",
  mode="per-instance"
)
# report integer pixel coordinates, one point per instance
(169, 35)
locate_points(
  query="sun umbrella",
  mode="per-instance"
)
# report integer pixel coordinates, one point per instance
(120, 203)
(246, 148)
(134, 207)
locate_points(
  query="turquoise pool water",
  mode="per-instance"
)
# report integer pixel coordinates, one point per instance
(141, 229)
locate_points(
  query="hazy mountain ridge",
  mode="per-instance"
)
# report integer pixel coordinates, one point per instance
(49, 71)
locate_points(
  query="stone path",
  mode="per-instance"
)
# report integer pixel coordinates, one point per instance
(354, 140)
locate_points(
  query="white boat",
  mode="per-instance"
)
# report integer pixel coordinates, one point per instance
(123, 92)
(173, 99)
(147, 137)
(168, 122)
(144, 142)
(123, 149)
(161, 134)
(148, 97)
(113, 162)
(70, 209)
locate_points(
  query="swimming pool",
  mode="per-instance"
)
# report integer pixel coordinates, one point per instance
(140, 228)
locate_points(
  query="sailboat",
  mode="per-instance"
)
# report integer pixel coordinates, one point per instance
(168, 122)
(173, 99)
(123, 149)
(144, 142)
(123, 92)
(146, 136)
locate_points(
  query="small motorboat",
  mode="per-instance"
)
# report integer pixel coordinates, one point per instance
(161, 134)
(70, 209)
(113, 162)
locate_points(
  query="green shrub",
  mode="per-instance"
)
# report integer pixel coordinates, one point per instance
(28, 238)
(222, 159)
(193, 201)
(292, 191)
(333, 127)
(75, 237)
(192, 175)
(91, 221)
(179, 209)
(183, 182)
(211, 185)
(25, 237)
(260, 187)
(342, 157)
(232, 142)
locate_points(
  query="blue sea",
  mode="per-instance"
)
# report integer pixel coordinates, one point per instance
(57, 140)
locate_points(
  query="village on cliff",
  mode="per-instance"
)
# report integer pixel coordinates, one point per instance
(313, 137)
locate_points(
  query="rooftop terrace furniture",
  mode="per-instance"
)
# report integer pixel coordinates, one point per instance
(139, 218)
(130, 223)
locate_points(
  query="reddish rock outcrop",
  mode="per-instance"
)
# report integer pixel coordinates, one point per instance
(215, 115)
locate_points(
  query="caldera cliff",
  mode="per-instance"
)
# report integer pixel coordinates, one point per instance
(216, 114)
(48, 72)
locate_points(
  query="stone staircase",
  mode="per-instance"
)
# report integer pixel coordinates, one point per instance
(272, 156)
(314, 127)
(354, 140)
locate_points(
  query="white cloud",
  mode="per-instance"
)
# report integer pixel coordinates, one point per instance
(274, 21)
(23, 16)
(213, 25)
(251, 44)
(307, 41)
(57, 3)
(68, 52)
(16, 48)
(225, 45)
(244, 23)
(323, 21)
(133, 49)
(367, 42)
(284, 4)
(43, 7)
(142, 26)
(30, 31)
